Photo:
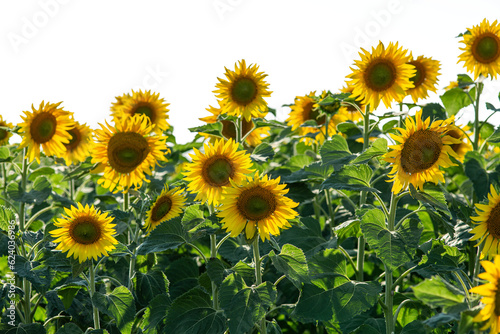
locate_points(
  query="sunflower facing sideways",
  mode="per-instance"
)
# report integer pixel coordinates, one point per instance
(212, 170)
(253, 136)
(256, 205)
(4, 134)
(491, 296)
(423, 148)
(142, 103)
(425, 78)
(460, 133)
(80, 144)
(127, 151)
(243, 92)
(481, 53)
(84, 233)
(384, 74)
(488, 224)
(166, 206)
(48, 127)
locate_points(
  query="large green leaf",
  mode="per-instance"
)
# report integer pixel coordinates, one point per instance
(119, 305)
(215, 270)
(439, 259)
(316, 172)
(40, 191)
(438, 293)
(454, 100)
(214, 129)
(7, 218)
(69, 328)
(156, 311)
(433, 199)
(351, 177)
(291, 262)
(26, 329)
(495, 137)
(336, 152)
(262, 153)
(193, 313)
(477, 174)
(150, 284)
(394, 248)
(167, 235)
(377, 148)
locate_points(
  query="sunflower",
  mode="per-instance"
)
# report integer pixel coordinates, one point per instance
(80, 144)
(253, 135)
(256, 205)
(491, 296)
(423, 148)
(143, 103)
(350, 112)
(127, 151)
(459, 132)
(488, 223)
(209, 172)
(425, 78)
(482, 49)
(166, 206)
(85, 233)
(5, 134)
(243, 91)
(384, 74)
(47, 126)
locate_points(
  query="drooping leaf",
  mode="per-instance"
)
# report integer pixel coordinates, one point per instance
(291, 262)
(437, 293)
(454, 100)
(262, 153)
(119, 305)
(477, 174)
(167, 235)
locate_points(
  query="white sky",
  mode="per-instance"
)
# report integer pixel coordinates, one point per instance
(85, 53)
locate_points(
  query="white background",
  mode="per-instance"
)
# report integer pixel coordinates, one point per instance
(85, 53)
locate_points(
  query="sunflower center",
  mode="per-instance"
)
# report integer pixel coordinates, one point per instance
(457, 135)
(309, 113)
(85, 232)
(145, 109)
(3, 134)
(126, 151)
(380, 75)
(244, 91)
(76, 138)
(161, 208)
(420, 151)
(486, 48)
(256, 203)
(43, 127)
(493, 222)
(419, 76)
(217, 171)
(229, 130)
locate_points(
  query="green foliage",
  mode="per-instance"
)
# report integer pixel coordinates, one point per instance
(119, 305)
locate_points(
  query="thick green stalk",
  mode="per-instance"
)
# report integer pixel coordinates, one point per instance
(92, 292)
(22, 228)
(389, 317)
(213, 255)
(258, 276)
(475, 144)
(131, 238)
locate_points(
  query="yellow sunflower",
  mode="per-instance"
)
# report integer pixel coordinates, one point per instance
(5, 134)
(481, 53)
(488, 224)
(84, 233)
(384, 74)
(425, 78)
(348, 111)
(423, 147)
(80, 144)
(256, 205)
(491, 296)
(128, 151)
(47, 126)
(142, 103)
(243, 92)
(166, 206)
(212, 170)
(459, 132)
(253, 135)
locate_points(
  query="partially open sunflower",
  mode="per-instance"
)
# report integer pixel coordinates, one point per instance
(382, 75)
(481, 52)
(488, 224)
(80, 144)
(166, 206)
(128, 152)
(256, 205)
(425, 78)
(142, 103)
(84, 233)
(459, 132)
(244, 90)
(422, 148)
(212, 170)
(5, 134)
(47, 127)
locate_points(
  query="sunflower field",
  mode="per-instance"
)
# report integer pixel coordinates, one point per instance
(340, 219)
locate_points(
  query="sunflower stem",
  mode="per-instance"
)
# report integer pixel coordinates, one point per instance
(92, 292)
(131, 239)
(237, 127)
(330, 209)
(479, 88)
(475, 273)
(389, 316)
(258, 276)
(4, 178)
(213, 255)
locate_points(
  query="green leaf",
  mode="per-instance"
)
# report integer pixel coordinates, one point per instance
(193, 313)
(431, 198)
(414, 327)
(440, 259)
(42, 171)
(454, 100)
(5, 154)
(336, 152)
(315, 172)
(394, 248)
(67, 294)
(436, 293)
(215, 270)
(183, 274)
(193, 216)
(262, 153)
(150, 284)
(120, 250)
(214, 129)
(119, 305)
(291, 262)
(26, 329)
(297, 162)
(378, 148)
(69, 328)
(434, 111)
(478, 175)
(80, 171)
(167, 235)
(156, 311)
(351, 177)
(40, 191)
(495, 137)
(229, 288)
(7, 216)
